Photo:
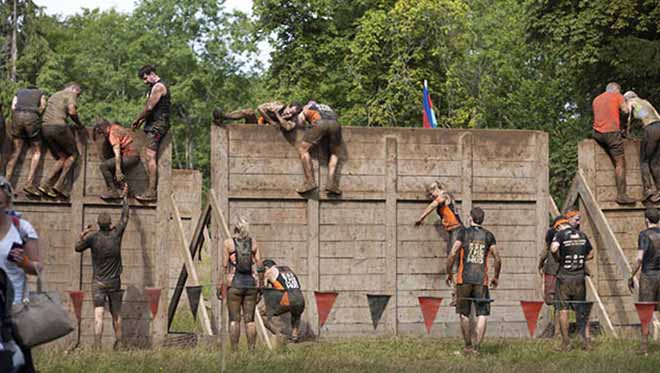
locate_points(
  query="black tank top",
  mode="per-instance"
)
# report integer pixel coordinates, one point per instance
(651, 259)
(160, 112)
(28, 99)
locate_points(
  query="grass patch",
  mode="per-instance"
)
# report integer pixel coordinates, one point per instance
(367, 355)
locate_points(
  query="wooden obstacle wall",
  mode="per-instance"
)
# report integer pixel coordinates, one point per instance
(625, 221)
(365, 241)
(144, 248)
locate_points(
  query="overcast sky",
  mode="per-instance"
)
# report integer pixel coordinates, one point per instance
(69, 7)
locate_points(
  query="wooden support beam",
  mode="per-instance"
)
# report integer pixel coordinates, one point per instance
(609, 239)
(572, 195)
(217, 214)
(190, 266)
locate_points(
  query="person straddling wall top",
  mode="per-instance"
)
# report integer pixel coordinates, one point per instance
(473, 247)
(266, 113)
(60, 139)
(607, 133)
(156, 119)
(648, 260)
(107, 268)
(26, 109)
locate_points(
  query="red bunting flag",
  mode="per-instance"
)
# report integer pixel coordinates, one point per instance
(77, 298)
(531, 310)
(429, 307)
(153, 297)
(324, 303)
(645, 312)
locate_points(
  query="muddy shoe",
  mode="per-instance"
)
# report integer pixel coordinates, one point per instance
(32, 191)
(565, 347)
(306, 188)
(655, 198)
(110, 195)
(624, 199)
(61, 192)
(333, 189)
(47, 190)
(149, 196)
(586, 345)
(218, 119)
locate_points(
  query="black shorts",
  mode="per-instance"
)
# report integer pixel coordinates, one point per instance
(612, 142)
(649, 288)
(324, 128)
(110, 290)
(241, 299)
(155, 132)
(26, 125)
(59, 139)
(472, 291)
(570, 290)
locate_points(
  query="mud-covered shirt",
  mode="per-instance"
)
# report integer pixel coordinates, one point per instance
(57, 110)
(574, 247)
(123, 137)
(606, 112)
(283, 278)
(106, 250)
(450, 218)
(473, 255)
(649, 243)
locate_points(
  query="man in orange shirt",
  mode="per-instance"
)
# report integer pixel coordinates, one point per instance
(125, 155)
(607, 133)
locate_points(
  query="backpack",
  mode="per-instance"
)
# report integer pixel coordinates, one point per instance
(243, 255)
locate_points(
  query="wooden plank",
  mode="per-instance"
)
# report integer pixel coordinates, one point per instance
(190, 266)
(429, 167)
(314, 268)
(504, 185)
(390, 271)
(466, 144)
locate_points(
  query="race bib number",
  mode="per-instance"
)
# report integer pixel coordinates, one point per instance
(290, 280)
(476, 253)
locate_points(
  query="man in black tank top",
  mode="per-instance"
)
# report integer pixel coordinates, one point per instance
(156, 119)
(243, 274)
(26, 109)
(648, 259)
(292, 300)
(473, 247)
(572, 250)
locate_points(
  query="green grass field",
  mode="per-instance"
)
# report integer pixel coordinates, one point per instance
(368, 355)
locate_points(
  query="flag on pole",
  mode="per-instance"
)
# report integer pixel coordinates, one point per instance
(429, 114)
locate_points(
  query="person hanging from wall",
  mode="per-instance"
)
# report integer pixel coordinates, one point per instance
(283, 278)
(473, 247)
(125, 157)
(607, 133)
(266, 113)
(26, 109)
(572, 250)
(243, 273)
(443, 204)
(60, 139)
(19, 254)
(323, 121)
(649, 152)
(548, 267)
(648, 260)
(156, 119)
(106, 268)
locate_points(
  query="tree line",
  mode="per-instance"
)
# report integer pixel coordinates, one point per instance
(526, 64)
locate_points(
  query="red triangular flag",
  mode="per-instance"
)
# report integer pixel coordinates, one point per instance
(77, 300)
(531, 309)
(324, 303)
(645, 311)
(153, 297)
(429, 307)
